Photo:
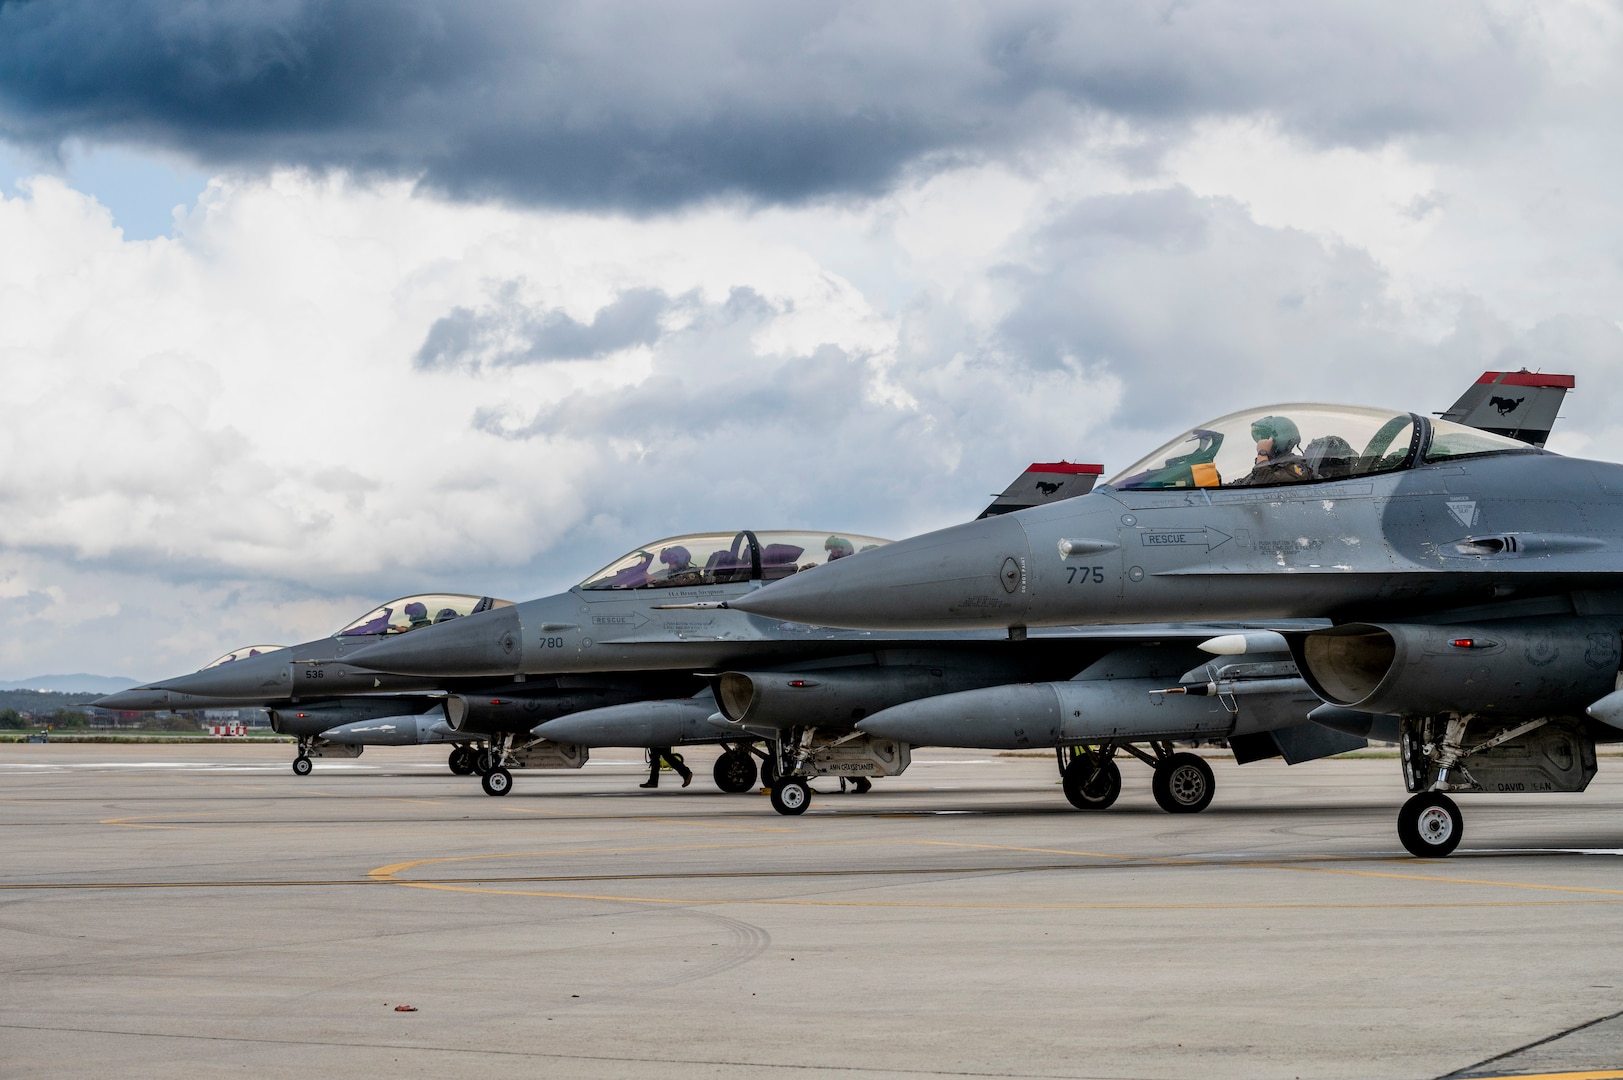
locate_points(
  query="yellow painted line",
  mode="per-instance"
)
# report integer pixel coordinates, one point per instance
(1271, 865)
(396, 868)
(1603, 1074)
(905, 904)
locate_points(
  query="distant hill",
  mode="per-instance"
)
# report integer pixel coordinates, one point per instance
(72, 684)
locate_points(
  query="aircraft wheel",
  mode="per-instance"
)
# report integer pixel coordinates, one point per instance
(1430, 825)
(1091, 789)
(482, 760)
(302, 766)
(769, 771)
(791, 796)
(734, 772)
(497, 781)
(1184, 784)
(462, 761)
(861, 785)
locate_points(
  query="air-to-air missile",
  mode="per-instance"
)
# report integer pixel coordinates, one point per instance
(1474, 582)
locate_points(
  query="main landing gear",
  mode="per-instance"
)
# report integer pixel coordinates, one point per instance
(734, 771)
(462, 759)
(1182, 782)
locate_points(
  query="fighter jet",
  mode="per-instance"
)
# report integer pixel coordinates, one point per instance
(335, 708)
(662, 608)
(1474, 583)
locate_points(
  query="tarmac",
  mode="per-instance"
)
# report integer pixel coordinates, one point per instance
(198, 910)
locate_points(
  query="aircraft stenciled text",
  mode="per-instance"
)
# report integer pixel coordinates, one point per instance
(1083, 575)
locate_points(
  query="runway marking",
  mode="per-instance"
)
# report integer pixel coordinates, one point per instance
(660, 820)
(747, 1067)
(1603, 1074)
(1274, 865)
(390, 874)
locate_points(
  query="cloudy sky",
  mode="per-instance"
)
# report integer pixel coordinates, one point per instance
(305, 305)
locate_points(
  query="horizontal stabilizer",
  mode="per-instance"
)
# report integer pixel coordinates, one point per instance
(1045, 482)
(1518, 404)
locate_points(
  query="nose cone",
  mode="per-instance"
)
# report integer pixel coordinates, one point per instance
(969, 575)
(135, 699)
(484, 644)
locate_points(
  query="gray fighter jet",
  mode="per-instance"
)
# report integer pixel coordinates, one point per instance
(336, 708)
(1475, 583)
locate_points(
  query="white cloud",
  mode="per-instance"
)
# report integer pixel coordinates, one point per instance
(226, 435)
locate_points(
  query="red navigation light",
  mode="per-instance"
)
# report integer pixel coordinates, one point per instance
(1463, 643)
(797, 682)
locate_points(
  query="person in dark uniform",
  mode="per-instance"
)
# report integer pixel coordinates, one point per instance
(663, 753)
(1279, 461)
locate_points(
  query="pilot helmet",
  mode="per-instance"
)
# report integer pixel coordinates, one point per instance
(838, 547)
(676, 557)
(1281, 429)
(417, 611)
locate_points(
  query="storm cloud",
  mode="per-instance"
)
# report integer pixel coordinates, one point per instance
(646, 107)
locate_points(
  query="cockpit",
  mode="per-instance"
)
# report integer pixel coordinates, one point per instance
(1305, 443)
(411, 612)
(726, 558)
(243, 653)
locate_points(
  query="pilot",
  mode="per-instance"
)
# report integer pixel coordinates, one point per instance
(838, 547)
(1278, 459)
(678, 568)
(417, 615)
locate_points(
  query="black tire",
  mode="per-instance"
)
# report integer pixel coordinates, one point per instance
(1091, 785)
(734, 772)
(497, 781)
(1430, 825)
(1184, 784)
(482, 760)
(861, 785)
(769, 771)
(791, 796)
(462, 761)
(302, 766)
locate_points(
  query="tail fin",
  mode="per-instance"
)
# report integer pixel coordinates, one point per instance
(1045, 482)
(1521, 404)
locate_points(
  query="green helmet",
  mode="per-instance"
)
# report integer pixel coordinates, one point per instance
(1281, 429)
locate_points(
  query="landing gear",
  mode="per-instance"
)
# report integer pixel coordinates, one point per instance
(497, 781)
(1092, 781)
(769, 769)
(482, 760)
(1183, 784)
(462, 761)
(734, 771)
(791, 796)
(1430, 825)
(860, 785)
(302, 765)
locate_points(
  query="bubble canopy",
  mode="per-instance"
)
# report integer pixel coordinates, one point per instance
(725, 558)
(242, 654)
(410, 612)
(1304, 443)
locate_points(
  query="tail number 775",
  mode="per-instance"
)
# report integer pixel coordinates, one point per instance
(1084, 575)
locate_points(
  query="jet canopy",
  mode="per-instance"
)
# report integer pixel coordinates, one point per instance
(1304, 443)
(724, 558)
(242, 654)
(411, 612)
